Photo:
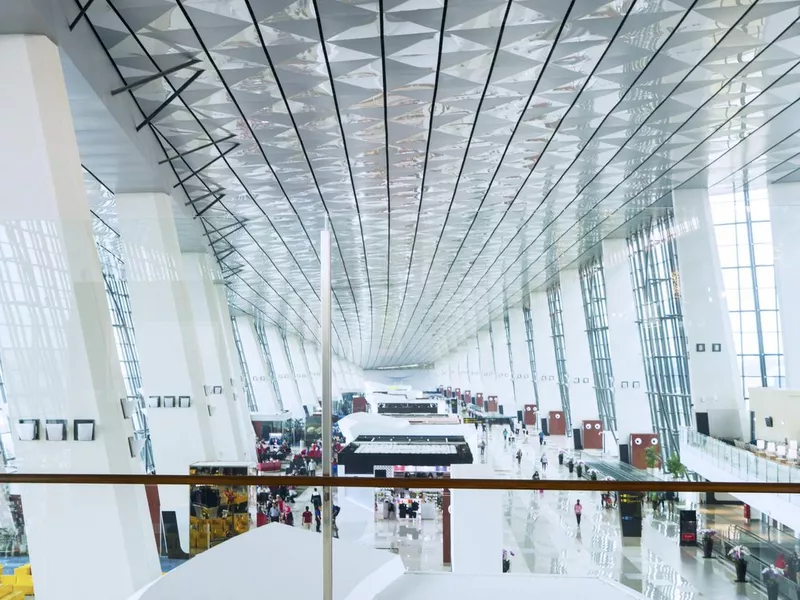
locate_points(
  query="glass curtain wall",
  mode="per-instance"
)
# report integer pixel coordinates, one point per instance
(507, 328)
(246, 381)
(526, 315)
(744, 239)
(557, 329)
(6, 439)
(262, 340)
(593, 290)
(294, 373)
(122, 325)
(656, 284)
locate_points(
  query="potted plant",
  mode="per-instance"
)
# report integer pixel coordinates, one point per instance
(675, 467)
(570, 464)
(507, 554)
(771, 576)
(561, 457)
(707, 541)
(738, 553)
(651, 458)
(579, 468)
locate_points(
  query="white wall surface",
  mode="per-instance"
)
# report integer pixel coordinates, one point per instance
(784, 207)
(523, 385)
(714, 376)
(582, 396)
(549, 396)
(260, 378)
(503, 376)
(624, 343)
(783, 406)
(286, 382)
(476, 524)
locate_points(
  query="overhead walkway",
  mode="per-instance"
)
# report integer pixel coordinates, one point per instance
(717, 461)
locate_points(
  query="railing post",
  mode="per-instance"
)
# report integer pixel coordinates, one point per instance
(327, 422)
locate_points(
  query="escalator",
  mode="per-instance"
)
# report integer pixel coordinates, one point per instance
(766, 545)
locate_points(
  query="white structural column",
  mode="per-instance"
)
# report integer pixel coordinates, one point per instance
(624, 345)
(283, 372)
(546, 371)
(314, 366)
(582, 396)
(486, 358)
(57, 347)
(502, 369)
(166, 340)
(462, 379)
(235, 368)
(714, 376)
(523, 386)
(474, 374)
(257, 366)
(302, 376)
(477, 544)
(784, 208)
(200, 273)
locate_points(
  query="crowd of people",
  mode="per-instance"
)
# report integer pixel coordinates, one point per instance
(275, 505)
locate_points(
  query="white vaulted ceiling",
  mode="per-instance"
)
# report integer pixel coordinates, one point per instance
(461, 150)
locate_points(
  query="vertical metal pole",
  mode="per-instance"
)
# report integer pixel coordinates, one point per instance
(327, 422)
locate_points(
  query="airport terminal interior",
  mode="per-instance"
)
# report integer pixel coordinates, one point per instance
(387, 299)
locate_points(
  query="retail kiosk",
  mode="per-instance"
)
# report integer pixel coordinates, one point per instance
(220, 512)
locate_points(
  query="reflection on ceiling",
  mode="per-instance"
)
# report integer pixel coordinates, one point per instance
(462, 151)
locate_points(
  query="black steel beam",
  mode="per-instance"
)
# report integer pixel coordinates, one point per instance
(155, 76)
(169, 100)
(225, 236)
(203, 147)
(203, 197)
(202, 212)
(205, 166)
(81, 14)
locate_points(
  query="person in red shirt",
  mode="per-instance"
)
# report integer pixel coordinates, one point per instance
(578, 511)
(307, 518)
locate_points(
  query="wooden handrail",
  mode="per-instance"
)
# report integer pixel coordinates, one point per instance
(417, 483)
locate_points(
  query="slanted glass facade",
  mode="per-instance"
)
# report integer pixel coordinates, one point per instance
(557, 331)
(593, 290)
(744, 239)
(526, 315)
(657, 291)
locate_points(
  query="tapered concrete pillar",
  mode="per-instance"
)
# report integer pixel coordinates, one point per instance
(57, 346)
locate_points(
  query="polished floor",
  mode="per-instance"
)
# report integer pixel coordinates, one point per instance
(540, 530)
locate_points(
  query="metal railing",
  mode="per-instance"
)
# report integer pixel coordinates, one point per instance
(742, 464)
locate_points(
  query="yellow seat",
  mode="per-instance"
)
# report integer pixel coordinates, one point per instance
(15, 595)
(8, 579)
(23, 570)
(24, 584)
(5, 590)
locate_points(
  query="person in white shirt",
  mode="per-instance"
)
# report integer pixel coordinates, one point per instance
(312, 467)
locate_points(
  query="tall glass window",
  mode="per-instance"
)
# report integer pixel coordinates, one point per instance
(262, 340)
(656, 284)
(744, 240)
(526, 315)
(246, 381)
(294, 373)
(6, 439)
(122, 325)
(507, 328)
(557, 329)
(593, 290)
